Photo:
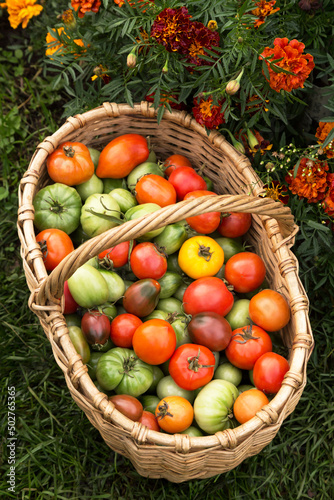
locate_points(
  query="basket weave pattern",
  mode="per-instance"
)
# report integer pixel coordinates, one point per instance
(174, 457)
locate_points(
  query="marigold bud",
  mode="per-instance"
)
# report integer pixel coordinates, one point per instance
(240, 39)
(68, 19)
(165, 68)
(212, 25)
(239, 147)
(232, 87)
(252, 140)
(131, 60)
(269, 166)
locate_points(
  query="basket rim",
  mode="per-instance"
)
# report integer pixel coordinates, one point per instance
(75, 366)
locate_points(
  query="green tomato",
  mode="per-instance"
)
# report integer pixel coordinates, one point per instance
(229, 372)
(124, 198)
(209, 183)
(213, 404)
(221, 273)
(263, 286)
(239, 314)
(103, 347)
(141, 210)
(144, 168)
(165, 367)
(92, 186)
(111, 184)
(173, 264)
(121, 370)
(179, 326)
(158, 374)
(251, 378)
(99, 213)
(157, 314)
(79, 342)
(79, 236)
(72, 320)
(149, 402)
(116, 285)
(94, 261)
(231, 246)
(152, 157)
(170, 305)
(192, 432)
(57, 206)
(217, 359)
(171, 238)
(180, 291)
(169, 283)
(168, 387)
(92, 364)
(95, 155)
(109, 310)
(245, 387)
(88, 287)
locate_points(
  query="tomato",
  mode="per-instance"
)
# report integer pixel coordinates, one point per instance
(173, 264)
(154, 341)
(211, 330)
(180, 291)
(111, 184)
(205, 223)
(108, 309)
(121, 370)
(70, 306)
(264, 285)
(55, 245)
(149, 402)
(95, 327)
(179, 326)
(245, 271)
(155, 189)
(175, 161)
(99, 213)
(122, 155)
(128, 405)
(174, 414)
(245, 387)
(269, 371)
(70, 164)
(169, 283)
(140, 211)
(149, 421)
(92, 364)
(116, 285)
(248, 403)
(247, 345)
(200, 257)
(142, 297)
(238, 316)
(207, 295)
(145, 168)
(124, 198)
(230, 246)
(168, 387)
(170, 305)
(79, 342)
(228, 372)
(192, 432)
(192, 366)
(235, 224)
(95, 155)
(213, 404)
(73, 320)
(57, 206)
(118, 255)
(88, 287)
(122, 329)
(158, 374)
(185, 180)
(269, 310)
(171, 238)
(147, 261)
(92, 186)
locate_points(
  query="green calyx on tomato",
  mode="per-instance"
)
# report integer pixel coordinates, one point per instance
(100, 213)
(194, 364)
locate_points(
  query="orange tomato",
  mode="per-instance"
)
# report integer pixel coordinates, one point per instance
(175, 161)
(155, 189)
(205, 223)
(248, 404)
(70, 164)
(55, 245)
(154, 341)
(121, 156)
(269, 310)
(174, 414)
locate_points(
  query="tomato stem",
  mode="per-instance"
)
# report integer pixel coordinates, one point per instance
(69, 151)
(204, 252)
(163, 411)
(246, 335)
(194, 363)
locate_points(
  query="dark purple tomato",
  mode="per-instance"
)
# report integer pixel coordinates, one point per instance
(211, 330)
(142, 297)
(95, 327)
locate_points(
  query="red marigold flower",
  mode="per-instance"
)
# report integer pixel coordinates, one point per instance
(84, 6)
(263, 10)
(321, 134)
(275, 191)
(200, 38)
(311, 180)
(328, 206)
(167, 98)
(293, 60)
(208, 114)
(260, 144)
(310, 4)
(170, 28)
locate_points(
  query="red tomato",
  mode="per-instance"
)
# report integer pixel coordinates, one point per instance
(245, 271)
(174, 414)
(207, 295)
(121, 156)
(70, 306)
(150, 421)
(154, 341)
(269, 371)
(55, 245)
(192, 366)
(205, 223)
(130, 406)
(96, 327)
(248, 404)
(118, 254)
(211, 330)
(122, 329)
(185, 180)
(147, 261)
(269, 310)
(247, 345)
(155, 189)
(142, 297)
(70, 164)
(235, 224)
(175, 161)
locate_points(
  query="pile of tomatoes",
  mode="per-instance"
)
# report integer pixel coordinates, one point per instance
(175, 327)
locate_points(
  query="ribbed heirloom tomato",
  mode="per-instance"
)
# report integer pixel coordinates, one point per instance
(207, 294)
(70, 164)
(55, 245)
(154, 341)
(155, 189)
(147, 261)
(270, 310)
(204, 223)
(245, 271)
(247, 345)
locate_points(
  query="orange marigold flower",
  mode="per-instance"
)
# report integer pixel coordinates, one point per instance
(164, 98)
(83, 6)
(54, 45)
(293, 60)
(263, 10)
(21, 11)
(321, 134)
(311, 180)
(141, 3)
(208, 114)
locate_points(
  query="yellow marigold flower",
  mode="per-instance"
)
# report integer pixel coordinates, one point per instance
(21, 11)
(54, 45)
(212, 25)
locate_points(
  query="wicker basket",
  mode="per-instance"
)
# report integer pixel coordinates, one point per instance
(175, 457)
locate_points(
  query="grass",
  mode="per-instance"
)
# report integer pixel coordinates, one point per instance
(59, 454)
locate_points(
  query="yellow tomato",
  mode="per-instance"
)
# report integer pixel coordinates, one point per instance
(200, 257)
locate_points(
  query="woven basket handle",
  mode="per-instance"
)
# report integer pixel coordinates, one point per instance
(52, 287)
